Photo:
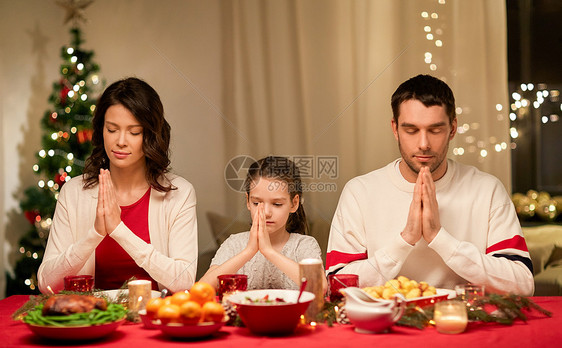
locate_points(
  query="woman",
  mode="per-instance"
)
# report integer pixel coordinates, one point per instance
(126, 215)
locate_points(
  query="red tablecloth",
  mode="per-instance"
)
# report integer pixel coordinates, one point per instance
(539, 331)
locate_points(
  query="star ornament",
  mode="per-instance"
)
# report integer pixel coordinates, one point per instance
(74, 10)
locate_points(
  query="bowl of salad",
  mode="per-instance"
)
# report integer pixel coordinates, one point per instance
(273, 312)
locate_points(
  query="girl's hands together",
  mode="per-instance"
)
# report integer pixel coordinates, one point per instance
(253, 244)
(263, 236)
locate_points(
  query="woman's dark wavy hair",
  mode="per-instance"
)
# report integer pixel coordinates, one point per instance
(144, 103)
(282, 169)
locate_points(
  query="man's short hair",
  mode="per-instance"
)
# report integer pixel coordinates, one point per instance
(427, 89)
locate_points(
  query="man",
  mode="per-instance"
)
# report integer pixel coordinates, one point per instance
(427, 217)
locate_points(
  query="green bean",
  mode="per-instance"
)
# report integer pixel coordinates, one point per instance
(95, 317)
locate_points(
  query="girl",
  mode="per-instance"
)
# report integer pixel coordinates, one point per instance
(126, 215)
(269, 252)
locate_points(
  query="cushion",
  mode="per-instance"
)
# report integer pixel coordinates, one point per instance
(222, 227)
(549, 282)
(320, 230)
(545, 244)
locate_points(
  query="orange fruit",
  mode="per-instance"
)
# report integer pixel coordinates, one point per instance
(212, 311)
(190, 312)
(153, 305)
(169, 313)
(167, 300)
(180, 298)
(202, 292)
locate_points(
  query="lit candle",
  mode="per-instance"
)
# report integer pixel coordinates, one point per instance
(312, 270)
(450, 317)
(139, 294)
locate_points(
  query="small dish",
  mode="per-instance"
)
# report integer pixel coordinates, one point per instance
(200, 330)
(149, 322)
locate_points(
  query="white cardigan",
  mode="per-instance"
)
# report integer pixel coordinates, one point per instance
(170, 258)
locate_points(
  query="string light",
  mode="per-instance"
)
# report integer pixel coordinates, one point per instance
(51, 153)
(513, 132)
(83, 97)
(80, 66)
(35, 168)
(41, 184)
(70, 50)
(42, 153)
(74, 59)
(68, 169)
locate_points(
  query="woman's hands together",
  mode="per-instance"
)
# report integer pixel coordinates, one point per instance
(108, 212)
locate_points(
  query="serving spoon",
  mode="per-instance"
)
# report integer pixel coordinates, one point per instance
(303, 285)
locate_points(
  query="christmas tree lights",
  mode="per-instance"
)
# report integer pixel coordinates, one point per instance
(66, 143)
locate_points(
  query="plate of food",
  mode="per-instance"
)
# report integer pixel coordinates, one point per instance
(74, 317)
(419, 293)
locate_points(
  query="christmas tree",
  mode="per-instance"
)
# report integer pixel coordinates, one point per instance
(66, 143)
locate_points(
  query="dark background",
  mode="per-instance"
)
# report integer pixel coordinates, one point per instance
(535, 56)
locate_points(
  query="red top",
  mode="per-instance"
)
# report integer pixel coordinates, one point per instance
(113, 265)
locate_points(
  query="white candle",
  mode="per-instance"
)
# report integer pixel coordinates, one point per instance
(139, 294)
(450, 317)
(312, 270)
(451, 324)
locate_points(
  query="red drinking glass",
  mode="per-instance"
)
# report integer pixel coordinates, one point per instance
(232, 282)
(81, 283)
(339, 281)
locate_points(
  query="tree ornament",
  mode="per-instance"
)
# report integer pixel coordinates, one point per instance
(84, 135)
(31, 215)
(74, 10)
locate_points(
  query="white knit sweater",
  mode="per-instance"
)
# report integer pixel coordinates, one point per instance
(170, 258)
(480, 240)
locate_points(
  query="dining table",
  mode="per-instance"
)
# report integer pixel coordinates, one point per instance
(538, 330)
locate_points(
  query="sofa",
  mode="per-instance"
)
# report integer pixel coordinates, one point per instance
(545, 246)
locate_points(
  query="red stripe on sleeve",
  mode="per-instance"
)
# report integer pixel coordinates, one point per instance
(517, 242)
(336, 257)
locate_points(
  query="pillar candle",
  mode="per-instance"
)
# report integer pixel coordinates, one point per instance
(312, 270)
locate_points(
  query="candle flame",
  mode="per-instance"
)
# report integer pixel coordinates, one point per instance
(140, 299)
(50, 290)
(312, 323)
